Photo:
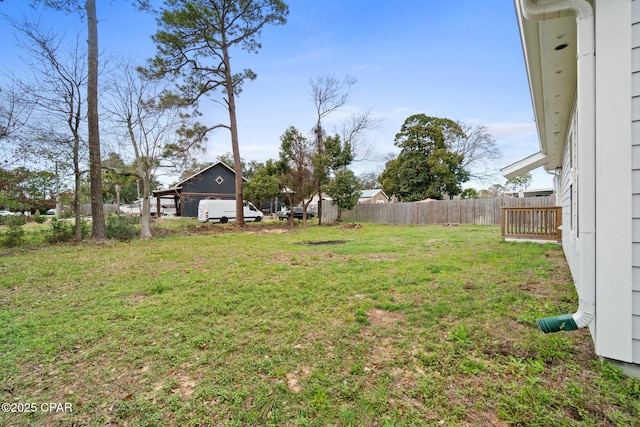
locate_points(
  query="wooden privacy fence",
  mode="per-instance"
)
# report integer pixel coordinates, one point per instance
(470, 211)
(540, 223)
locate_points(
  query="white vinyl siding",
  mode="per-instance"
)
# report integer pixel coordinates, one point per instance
(635, 131)
(569, 200)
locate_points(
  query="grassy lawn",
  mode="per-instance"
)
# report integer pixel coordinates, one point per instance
(379, 325)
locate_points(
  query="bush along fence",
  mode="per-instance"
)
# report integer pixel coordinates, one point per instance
(468, 211)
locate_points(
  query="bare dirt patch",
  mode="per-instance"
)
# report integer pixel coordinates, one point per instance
(384, 349)
(351, 226)
(380, 257)
(137, 299)
(379, 317)
(273, 231)
(294, 378)
(260, 228)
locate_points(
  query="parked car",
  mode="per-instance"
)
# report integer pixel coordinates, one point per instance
(297, 214)
(6, 213)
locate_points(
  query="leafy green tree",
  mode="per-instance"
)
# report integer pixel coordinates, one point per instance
(332, 155)
(311, 167)
(521, 182)
(248, 169)
(265, 184)
(469, 193)
(493, 192)
(338, 153)
(297, 173)
(227, 159)
(23, 189)
(344, 189)
(38, 188)
(117, 172)
(194, 45)
(193, 168)
(425, 166)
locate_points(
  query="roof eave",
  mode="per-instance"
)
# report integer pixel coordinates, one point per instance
(549, 49)
(525, 165)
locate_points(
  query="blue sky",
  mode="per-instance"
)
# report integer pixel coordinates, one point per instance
(460, 60)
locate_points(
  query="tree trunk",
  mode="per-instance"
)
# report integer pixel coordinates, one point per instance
(95, 172)
(145, 227)
(77, 231)
(290, 218)
(319, 150)
(76, 198)
(235, 148)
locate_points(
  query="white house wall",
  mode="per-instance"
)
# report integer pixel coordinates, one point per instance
(635, 167)
(616, 329)
(614, 301)
(567, 197)
(599, 184)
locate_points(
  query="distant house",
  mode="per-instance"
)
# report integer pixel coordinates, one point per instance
(373, 196)
(167, 207)
(532, 192)
(214, 182)
(313, 203)
(583, 63)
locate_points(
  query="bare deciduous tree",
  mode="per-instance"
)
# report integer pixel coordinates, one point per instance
(352, 131)
(88, 11)
(479, 150)
(328, 94)
(147, 127)
(14, 114)
(55, 92)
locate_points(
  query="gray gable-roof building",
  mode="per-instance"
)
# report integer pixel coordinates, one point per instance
(214, 182)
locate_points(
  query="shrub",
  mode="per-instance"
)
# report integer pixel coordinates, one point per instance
(121, 227)
(14, 234)
(64, 231)
(39, 218)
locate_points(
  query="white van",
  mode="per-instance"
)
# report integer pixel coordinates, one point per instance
(224, 211)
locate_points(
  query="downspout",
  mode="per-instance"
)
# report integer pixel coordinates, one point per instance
(556, 184)
(586, 237)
